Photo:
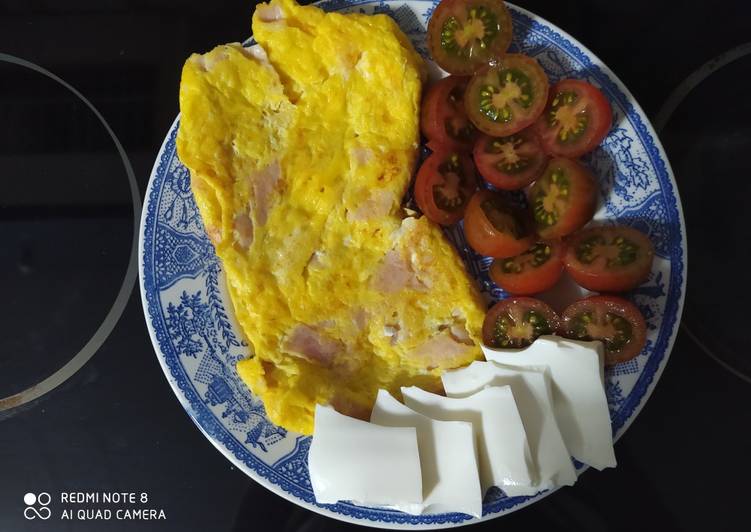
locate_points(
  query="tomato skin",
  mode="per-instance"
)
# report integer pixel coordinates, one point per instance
(434, 181)
(515, 331)
(487, 238)
(607, 315)
(533, 278)
(458, 61)
(443, 119)
(595, 111)
(568, 188)
(602, 274)
(528, 80)
(491, 153)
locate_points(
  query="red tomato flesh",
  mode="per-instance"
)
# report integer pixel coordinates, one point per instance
(444, 186)
(517, 322)
(443, 119)
(532, 272)
(614, 320)
(510, 163)
(507, 96)
(496, 228)
(563, 199)
(609, 259)
(576, 119)
(463, 35)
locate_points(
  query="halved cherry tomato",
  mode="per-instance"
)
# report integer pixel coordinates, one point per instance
(443, 119)
(512, 162)
(495, 227)
(615, 321)
(444, 185)
(563, 199)
(464, 35)
(534, 271)
(609, 259)
(517, 322)
(576, 119)
(508, 96)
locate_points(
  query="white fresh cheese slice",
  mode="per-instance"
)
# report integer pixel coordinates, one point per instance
(579, 401)
(532, 392)
(353, 460)
(595, 345)
(503, 453)
(448, 457)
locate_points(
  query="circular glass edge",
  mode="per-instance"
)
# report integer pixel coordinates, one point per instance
(8, 405)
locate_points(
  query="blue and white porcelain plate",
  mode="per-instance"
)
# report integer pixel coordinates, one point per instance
(198, 342)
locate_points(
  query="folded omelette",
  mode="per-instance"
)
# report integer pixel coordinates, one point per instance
(300, 151)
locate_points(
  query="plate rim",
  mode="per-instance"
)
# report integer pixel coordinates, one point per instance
(450, 520)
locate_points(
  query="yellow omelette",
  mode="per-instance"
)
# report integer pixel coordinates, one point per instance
(300, 151)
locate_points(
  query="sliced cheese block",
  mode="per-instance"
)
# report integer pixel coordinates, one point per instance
(580, 404)
(448, 457)
(353, 460)
(503, 453)
(532, 391)
(566, 343)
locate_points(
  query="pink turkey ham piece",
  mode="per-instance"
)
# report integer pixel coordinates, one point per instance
(264, 182)
(268, 373)
(243, 230)
(269, 13)
(207, 61)
(313, 346)
(360, 319)
(361, 155)
(214, 232)
(441, 351)
(377, 205)
(258, 53)
(395, 275)
(460, 334)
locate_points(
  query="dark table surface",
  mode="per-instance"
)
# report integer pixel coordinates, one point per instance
(66, 227)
